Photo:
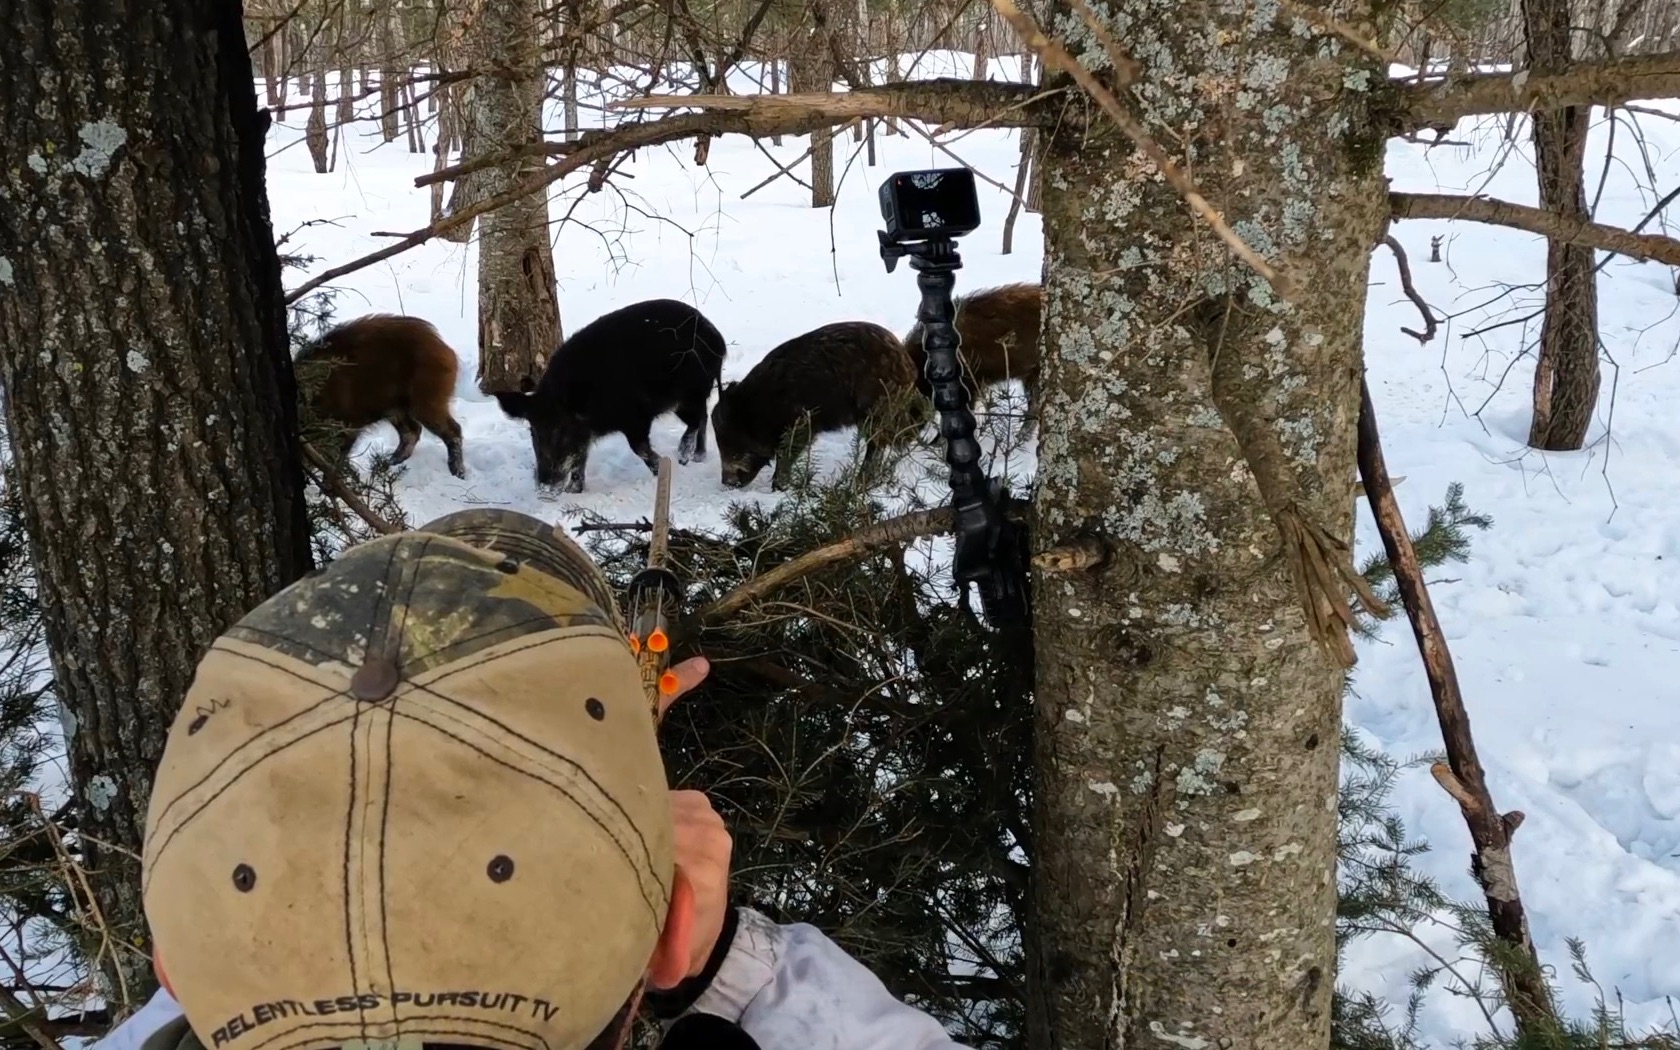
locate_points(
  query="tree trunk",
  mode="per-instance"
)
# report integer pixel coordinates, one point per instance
(518, 312)
(1566, 376)
(775, 89)
(569, 100)
(271, 70)
(1186, 724)
(809, 71)
(149, 392)
(390, 76)
(315, 131)
(454, 52)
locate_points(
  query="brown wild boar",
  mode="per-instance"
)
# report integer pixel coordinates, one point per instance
(384, 367)
(999, 328)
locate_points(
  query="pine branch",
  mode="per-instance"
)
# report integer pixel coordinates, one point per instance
(1447, 100)
(1536, 220)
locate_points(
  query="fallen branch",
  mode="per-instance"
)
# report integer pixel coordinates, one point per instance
(1550, 224)
(346, 495)
(1053, 54)
(1447, 100)
(1405, 266)
(1462, 777)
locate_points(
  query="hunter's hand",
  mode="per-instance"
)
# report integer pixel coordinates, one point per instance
(702, 845)
(690, 673)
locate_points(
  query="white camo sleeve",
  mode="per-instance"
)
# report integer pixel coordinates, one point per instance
(792, 988)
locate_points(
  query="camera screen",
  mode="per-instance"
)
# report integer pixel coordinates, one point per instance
(936, 201)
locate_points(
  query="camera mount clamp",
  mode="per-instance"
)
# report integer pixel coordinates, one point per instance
(991, 550)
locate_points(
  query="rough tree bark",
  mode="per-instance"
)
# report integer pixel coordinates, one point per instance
(518, 311)
(1566, 375)
(1187, 725)
(149, 390)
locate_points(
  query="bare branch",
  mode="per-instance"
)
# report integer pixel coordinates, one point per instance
(1536, 220)
(927, 101)
(901, 529)
(1405, 266)
(1447, 100)
(946, 100)
(336, 484)
(1462, 776)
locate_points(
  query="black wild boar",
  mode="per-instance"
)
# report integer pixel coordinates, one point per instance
(617, 374)
(999, 328)
(384, 366)
(840, 373)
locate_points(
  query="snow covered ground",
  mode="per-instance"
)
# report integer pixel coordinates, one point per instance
(1565, 624)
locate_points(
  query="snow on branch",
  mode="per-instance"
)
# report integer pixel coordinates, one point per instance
(1536, 220)
(1445, 101)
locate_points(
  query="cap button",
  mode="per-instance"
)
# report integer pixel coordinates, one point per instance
(376, 679)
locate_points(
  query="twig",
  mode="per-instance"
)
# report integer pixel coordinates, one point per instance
(1462, 776)
(19, 1014)
(1429, 322)
(1564, 228)
(346, 494)
(1052, 53)
(785, 169)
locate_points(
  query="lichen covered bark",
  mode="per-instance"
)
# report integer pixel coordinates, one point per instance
(149, 396)
(518, 312)
(1186, 723)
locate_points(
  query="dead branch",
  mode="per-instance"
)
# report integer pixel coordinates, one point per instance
(330, 478)
(930, 101)
(893, 531)
(21, 1015)
(1447, 100)
(1053, 54)
(1405, 266)
(1462, 777)
(1536, 220)
(945, 100)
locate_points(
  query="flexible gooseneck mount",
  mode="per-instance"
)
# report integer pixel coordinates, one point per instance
(991, 549)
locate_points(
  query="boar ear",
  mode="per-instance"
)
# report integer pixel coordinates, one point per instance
(515, 404)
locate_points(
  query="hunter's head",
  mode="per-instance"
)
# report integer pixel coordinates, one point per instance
(416, 799)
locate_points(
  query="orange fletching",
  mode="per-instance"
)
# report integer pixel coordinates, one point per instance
(667, 683)
(657, 641)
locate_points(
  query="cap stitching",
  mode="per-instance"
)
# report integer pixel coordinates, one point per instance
(464, 1018)
(156, 853)
(645, 866)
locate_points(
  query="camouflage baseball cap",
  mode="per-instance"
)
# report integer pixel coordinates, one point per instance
(416, 796)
